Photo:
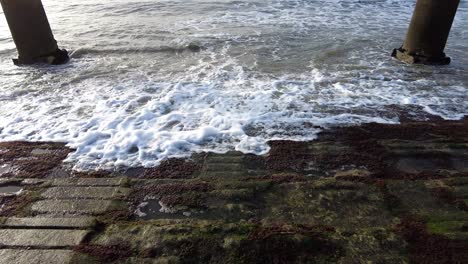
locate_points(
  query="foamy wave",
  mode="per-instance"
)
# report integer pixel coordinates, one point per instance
(118, 126)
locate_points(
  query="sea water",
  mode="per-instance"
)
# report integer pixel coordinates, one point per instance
(155, 79)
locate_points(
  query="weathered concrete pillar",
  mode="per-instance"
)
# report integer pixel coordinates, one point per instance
(428, 32)
(31, 33)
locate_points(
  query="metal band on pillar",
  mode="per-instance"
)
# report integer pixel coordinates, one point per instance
(428, 32)
(31, 33)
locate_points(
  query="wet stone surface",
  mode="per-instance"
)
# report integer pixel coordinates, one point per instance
(31, 160)
(90, 207)
(10, 189)
(42, 222)
(41, 237)
(155, 209)
(88, 192)
(368, 194)
(6, 169)
(19, 256)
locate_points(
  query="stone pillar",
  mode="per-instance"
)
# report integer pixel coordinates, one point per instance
(31, 33)
(428, 33)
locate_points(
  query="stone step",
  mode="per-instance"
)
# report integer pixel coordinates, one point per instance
(225, 159)
(22, 256)
(461, 191)
(452, 229)
(33, 181)
(159, 260)
(90, 207)
(227, 174)
(457, 181)
(425, 146)
(328, 147)
(224, 167)
(64, 215)
(85, 192)
(89, 182)
(41, 237)
(6, 181)
(40, 222)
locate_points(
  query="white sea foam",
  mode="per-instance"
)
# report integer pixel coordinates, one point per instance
(134, 94)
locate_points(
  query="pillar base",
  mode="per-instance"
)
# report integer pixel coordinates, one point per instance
(404, 56)
(60, 56)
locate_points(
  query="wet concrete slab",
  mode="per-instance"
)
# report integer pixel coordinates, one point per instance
(459, 181)
(461, 191)
(415, 165)
(33, 181)
(41, 222)
(460, 163)
(10, 189)
(428, 163)
(90, 207)
(160, 260)
(224, 173)
(41, 237)
(88, 181)
(225, 158)
(25, 256)
(89, 192)
(59, 172)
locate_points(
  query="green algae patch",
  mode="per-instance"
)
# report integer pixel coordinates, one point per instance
(457, 181)
(372, 245)
(417, 199)
(450, 229)
(284, 243)
(212, 241)
(238, 194)
(424, 247)
(327, 202)
(106, 254)
(280, 178)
